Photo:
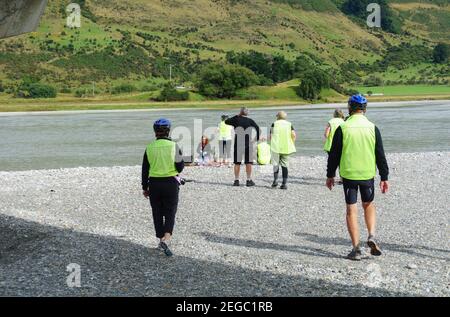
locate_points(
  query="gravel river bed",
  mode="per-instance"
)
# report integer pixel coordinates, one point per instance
(228, 241)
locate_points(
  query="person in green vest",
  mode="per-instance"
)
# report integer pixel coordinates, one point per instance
(225, 137)
(357, 148)
(162, 164)
(263, 151)
(282, 144)
(333, 124)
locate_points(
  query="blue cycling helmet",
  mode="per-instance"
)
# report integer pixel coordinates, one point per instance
(357, 102)
(162, 124)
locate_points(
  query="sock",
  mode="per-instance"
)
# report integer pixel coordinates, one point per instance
(285, 174)
(275, 177)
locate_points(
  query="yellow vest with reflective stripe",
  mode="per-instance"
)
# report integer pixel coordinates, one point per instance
(282, 142)
(334, 124)
(264, 155)
(225, 131)
(161, 156)
(358, 149)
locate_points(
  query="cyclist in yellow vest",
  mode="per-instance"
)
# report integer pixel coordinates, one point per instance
(282, 144)
(333, 124)
(263, 152)
(357, 148)
(225, 137)
(163, 162)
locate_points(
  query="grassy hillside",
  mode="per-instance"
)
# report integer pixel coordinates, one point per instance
(136, 40)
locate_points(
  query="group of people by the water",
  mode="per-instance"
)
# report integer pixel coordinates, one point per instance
(353, 144)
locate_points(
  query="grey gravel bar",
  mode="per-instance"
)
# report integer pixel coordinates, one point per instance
(228, 241)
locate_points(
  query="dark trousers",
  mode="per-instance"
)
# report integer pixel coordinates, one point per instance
(224, 149)
(164, 203)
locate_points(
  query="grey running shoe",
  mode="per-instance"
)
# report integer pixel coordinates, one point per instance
(165, 248)
(274, 184)
(250, 183)
(374, 247)
(283, 186)
(355, 254)
(236, 183)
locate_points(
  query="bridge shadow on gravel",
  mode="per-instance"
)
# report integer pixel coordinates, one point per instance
(408, 249)
(34, 257)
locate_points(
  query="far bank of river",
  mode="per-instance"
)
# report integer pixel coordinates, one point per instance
(118, 138)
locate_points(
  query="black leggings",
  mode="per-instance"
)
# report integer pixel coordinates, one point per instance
(164, 203)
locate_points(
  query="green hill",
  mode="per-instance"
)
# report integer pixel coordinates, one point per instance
(136, 41)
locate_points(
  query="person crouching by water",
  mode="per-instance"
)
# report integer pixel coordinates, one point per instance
(263, 152)
(282, 143)
(163, 162)
(205, 153)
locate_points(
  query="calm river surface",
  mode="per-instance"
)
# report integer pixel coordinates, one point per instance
(46, 141)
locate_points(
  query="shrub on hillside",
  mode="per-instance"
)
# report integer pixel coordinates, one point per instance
(390, 22)
(373, 81)
(312, 83)
(170, 93)
(273, 67)
(35, 90)
(441, 53)
(223, 80)
(308, 89)
(147, 88)
(123, 89)
(65, 90)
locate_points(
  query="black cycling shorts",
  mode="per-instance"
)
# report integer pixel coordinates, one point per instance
(366, 188)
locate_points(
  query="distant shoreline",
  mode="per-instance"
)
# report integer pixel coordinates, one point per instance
(293, 106)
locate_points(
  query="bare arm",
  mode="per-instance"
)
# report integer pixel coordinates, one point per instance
(327, 131)
(293, 135)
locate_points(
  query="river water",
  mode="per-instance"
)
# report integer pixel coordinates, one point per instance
(58, 140)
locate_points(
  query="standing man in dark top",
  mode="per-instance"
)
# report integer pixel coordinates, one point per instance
(162, 163)
(244, 144)
(357, 148)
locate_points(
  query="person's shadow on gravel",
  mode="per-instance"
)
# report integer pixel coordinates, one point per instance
(229, 184)
(301, 180)
(408, 249)
(268, 245)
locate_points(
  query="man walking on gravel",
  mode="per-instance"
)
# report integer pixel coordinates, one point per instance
(357, 148)
(282, 144)
(162, 163)
(244, 144)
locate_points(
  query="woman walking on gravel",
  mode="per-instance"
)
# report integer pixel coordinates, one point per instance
(163, 162)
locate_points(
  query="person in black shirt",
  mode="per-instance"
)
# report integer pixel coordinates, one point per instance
(163, 161)
(244, 144)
